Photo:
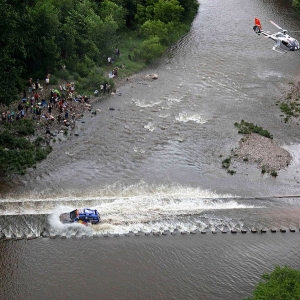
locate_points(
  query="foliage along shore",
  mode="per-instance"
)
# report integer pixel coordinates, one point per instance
(38, 37)
(74, 41)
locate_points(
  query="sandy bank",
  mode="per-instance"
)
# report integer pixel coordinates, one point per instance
(263, 151)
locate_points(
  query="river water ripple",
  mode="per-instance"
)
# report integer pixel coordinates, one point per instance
(153, 164)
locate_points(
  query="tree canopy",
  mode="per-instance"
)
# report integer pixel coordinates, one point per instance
(37, 37)
(296, 4)
(282, 283)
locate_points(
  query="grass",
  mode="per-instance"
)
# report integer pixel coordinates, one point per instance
(291, 109)
(95, 75)
(247, 128)
(291, 106)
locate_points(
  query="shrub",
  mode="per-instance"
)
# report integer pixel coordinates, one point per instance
(247, 128)
(18, 153)
(226, 163)
(282, 283)
(22, 127)
(273, 173)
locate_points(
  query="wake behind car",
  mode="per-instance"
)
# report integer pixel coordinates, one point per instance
(83, 216)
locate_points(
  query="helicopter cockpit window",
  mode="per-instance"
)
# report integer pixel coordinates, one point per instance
(285, 43)
(294, 44)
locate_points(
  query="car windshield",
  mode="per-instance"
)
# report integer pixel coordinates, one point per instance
(89, 211)
(73, 214)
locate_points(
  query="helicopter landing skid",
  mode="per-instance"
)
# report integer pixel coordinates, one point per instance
(279, 50)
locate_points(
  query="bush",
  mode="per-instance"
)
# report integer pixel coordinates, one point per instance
(151, 49)
(18, 153)
(274, 173)
(62, 74)
(226, 163)
(282, 283)
(22, 127)
(53, 80)
(231, 172)
(247, 128)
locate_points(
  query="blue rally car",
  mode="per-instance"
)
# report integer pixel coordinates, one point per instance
(83, 216)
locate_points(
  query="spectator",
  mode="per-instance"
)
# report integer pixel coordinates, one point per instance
(47, 79)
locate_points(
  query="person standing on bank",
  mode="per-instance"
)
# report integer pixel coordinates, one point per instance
(47, 80)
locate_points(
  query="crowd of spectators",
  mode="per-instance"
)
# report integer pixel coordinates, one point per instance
(59, 106)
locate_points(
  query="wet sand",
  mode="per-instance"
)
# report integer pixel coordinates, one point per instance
(264, 151)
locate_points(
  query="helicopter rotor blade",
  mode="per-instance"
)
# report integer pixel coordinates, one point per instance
(277, 25)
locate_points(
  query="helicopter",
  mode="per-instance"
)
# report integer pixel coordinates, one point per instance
(284, 42)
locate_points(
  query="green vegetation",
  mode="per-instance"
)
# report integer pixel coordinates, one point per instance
(296, 4)
(246, 128)
(17, 152)
(22, 127)
(282, 283)
(231, 172)
(291, 109)
(226, 163)
(291, 105)
(274, 173)
(72, 39)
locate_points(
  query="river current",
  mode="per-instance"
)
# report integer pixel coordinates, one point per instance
(150, 161)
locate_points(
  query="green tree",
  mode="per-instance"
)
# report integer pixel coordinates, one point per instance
(281, 284)
(117, 13)
(190, 9)
(38, 36)
(296, 4)
(168, 11)
(152, 48)
(12, 52)
(43, 23)
(154, 28)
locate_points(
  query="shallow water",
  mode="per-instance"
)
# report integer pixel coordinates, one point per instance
(153, 164)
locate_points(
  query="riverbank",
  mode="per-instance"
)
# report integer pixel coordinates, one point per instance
(252, 148)
(54, 114)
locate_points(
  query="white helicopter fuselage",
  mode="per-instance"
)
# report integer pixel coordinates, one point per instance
(284, 42)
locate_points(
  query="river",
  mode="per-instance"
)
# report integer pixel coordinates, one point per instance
(151, 162)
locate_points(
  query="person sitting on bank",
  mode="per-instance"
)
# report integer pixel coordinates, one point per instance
(48, 130)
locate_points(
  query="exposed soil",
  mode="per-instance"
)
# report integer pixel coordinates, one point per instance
(263, 151)
(266, 152)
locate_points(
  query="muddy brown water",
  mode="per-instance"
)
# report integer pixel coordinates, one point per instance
(153, 164)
